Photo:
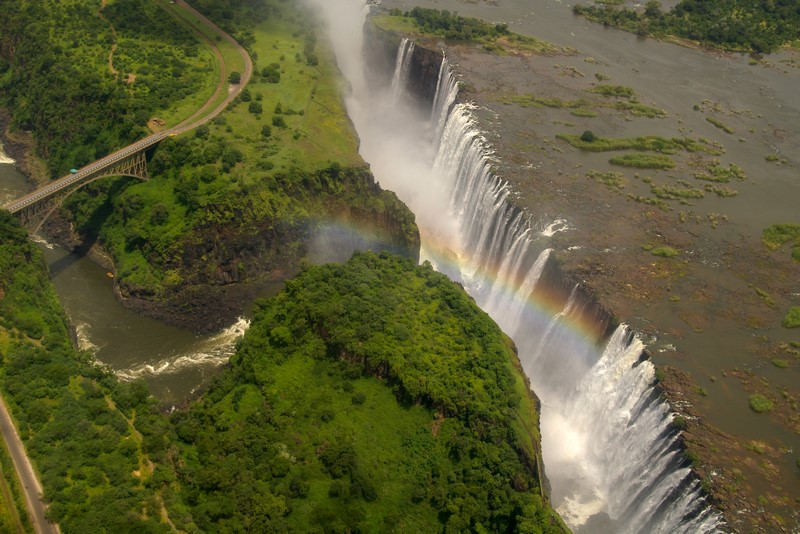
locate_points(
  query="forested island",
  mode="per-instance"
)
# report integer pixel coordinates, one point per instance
(373, 395)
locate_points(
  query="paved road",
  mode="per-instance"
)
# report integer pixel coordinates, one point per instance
(195, 120)
(30, 484)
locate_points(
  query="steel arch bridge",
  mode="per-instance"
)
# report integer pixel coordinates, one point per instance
(35, 207)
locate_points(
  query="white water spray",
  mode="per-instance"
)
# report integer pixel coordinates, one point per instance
(5, 158)
(210, 352)
(610, 452)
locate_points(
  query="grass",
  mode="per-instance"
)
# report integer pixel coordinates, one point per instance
(616, 91)
(206, 36)
(317, 131)
(643, 161)
(582, 112)
(760, 404)
(640, 110)
(715, 172)
(611, 179)
(719, 124)
(654, 143)
(533, 101)
(675, 193)
(664, 252)
(777, 235)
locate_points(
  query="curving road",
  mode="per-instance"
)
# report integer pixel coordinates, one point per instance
(190, 123)
(22, 464)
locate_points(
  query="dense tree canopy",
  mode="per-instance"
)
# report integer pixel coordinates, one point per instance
(383, 399)
(747, 25)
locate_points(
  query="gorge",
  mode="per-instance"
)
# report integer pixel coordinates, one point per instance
(609, 449)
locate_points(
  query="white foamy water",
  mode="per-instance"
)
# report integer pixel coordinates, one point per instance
(210, 352)
(5, 158)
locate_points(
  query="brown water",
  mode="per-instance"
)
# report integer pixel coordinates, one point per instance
(175, 363)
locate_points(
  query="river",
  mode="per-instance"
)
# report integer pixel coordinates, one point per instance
(175, 363)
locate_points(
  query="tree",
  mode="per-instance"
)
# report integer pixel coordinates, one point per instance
(588, 136)
(255, 108)
(235, 77)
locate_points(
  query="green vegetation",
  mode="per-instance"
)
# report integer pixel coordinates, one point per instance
(664, 252)
(88, 435)
(643, 161)
(613, 180)
(419, 417)
(653, 143)
(675, 193)
(77, 104)
(719, 124)
(715, 172)
(579, 107)
(745, 25)
(792, 319)
(418, 420)
(760, 404)
(777, 235)
(13, 512)
(617, 91)
(494, 37)
(234, 198)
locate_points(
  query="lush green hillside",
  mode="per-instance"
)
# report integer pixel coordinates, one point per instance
(86, 80)
(370, 396)
(746, 25)
(228, 202)
(88, 436)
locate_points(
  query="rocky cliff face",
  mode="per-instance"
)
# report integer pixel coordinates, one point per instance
(221, 267)
(380, 54)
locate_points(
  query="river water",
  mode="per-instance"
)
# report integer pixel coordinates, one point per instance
(175, 363)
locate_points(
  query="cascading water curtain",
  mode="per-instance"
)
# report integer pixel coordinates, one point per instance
(610, 450)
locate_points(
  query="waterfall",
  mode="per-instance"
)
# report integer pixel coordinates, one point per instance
(443, 98)
(404, 54)
(610, 452)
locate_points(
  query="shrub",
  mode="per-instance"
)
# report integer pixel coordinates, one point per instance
(588, 136)
(664, 252)
(760, 404)
(792, 319)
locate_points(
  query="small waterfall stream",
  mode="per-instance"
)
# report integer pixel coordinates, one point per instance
(610, 452)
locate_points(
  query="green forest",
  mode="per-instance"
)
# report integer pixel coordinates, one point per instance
(367, 396)
(741, 25)
(372, 396)
(226, 203)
